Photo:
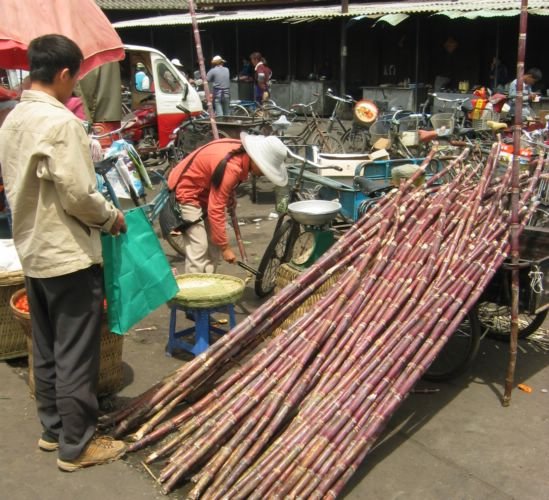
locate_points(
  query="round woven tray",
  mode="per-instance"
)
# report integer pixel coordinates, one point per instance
(110, 351)
(202, 291)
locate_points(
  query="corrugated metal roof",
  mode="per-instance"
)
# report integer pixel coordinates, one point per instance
(142, 4)
(183, 4)
(452, 8)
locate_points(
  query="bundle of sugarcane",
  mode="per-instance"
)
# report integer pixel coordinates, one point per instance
(300, 415)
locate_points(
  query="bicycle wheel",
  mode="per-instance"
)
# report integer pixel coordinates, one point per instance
(238, 110)
(496, 319)
(166, 222)
(540, 218)
(278, 252)
(327, 143)
(458, 353)
(356, 140)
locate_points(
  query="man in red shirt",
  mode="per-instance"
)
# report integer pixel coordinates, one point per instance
(205, 183)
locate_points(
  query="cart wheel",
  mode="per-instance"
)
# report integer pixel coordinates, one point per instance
(496, 319)
(327, 143)
(278, 252)
(540, 218)
(356, 140)
(458, 353)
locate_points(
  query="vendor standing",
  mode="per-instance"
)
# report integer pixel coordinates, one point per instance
(262, 78)
(58, 216)
(205, 183)
(220, 77)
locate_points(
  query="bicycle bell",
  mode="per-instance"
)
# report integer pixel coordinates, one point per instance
(316, 216)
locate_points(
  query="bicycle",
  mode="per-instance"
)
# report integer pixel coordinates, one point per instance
(398, 133)
(355, 138)
(312, 131)
(154, 209)
(287, 230)
(243, 107)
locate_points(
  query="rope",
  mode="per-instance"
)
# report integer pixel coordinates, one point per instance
(536, 280)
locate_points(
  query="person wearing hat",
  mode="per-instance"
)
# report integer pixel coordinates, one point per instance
(205, 182)
(179, 66)
(220, 79)
(142, 80)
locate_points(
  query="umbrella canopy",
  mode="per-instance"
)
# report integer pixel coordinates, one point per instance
(80, 20)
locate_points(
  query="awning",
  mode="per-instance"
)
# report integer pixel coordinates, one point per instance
(450, 8)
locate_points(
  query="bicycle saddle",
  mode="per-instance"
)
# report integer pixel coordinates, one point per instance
(103, 166)
(496, 125)
(371, 188)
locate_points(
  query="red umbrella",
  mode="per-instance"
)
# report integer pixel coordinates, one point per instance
(80, 20)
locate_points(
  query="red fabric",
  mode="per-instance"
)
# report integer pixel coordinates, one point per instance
(195, 186)
(263, 68)
(80, 20)
(167, 123)
(7, 94)
(76, 105)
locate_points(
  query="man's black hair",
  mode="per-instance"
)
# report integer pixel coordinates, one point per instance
(49, 54)
(535, 73)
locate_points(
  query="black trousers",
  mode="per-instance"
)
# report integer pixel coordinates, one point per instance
(66, 313)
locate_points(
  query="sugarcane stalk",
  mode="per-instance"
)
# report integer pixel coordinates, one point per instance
(515, 250)
(258, 492)
(170, 471)
(396, 397)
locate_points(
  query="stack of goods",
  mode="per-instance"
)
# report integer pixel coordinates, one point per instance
(298, 417)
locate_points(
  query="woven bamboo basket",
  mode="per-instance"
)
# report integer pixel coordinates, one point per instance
(205, 290)
(110, 354)
(287, 273)
(12, 334)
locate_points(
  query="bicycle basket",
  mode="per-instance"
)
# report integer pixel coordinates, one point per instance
(380, 134)
(408, 131)
(482, 122)
(365, 112)
(443, 123)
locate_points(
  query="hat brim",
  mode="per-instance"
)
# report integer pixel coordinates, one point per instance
(268, 153)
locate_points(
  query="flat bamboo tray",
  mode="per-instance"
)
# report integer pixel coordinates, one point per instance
(110, 354)
(12, 335)
(202, 291)
(287, 273)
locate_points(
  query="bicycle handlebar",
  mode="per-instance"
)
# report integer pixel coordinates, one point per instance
(312, 163)
(445, 99)
(129, 123)
(302, 105)
(347, 99)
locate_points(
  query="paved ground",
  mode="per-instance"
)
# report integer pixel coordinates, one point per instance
(455, 443)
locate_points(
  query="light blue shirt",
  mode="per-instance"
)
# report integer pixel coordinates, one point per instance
(142, 81)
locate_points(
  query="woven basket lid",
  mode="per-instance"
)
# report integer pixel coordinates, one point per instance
(208, 290)
(10, 278)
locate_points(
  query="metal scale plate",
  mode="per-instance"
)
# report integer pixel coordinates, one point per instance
(316, 216)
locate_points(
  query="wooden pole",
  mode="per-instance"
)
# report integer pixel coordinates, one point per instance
(202, 67)
(515, 225)
(343, 58)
